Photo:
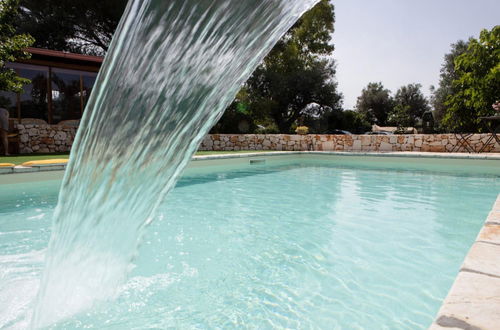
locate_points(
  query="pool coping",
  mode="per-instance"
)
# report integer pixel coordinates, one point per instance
(473, 301)
(406, 154)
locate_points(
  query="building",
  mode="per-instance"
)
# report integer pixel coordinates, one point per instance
(60, 87)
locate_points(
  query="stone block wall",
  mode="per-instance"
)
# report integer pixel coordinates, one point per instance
(414, 142)
(56, 138)
(45, 138)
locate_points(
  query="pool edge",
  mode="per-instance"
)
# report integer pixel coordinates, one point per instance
(473, 301)
(406, 154)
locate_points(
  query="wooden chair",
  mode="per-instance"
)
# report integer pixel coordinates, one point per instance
(13, 137)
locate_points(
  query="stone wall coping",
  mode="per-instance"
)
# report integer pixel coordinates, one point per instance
(473, 301)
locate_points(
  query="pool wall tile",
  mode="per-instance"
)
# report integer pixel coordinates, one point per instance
(53, 167)
(6, 170)
(437, 155)
(25, 169)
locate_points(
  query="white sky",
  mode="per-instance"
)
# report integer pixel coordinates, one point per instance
(399, 42)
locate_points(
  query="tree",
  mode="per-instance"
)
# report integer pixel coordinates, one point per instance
(71, 25)
(297, 72)
(447, 76)
(354, 122)
(375, 103)
(327, 120)
(320, 120)
(477, 84)
(12, 47)
(409, 106)
(237, 117)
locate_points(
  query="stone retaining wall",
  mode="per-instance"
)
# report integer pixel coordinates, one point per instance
(45, 138)
(414, 142)
(55, 138)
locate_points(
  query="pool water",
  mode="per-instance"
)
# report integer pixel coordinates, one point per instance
(299, 245)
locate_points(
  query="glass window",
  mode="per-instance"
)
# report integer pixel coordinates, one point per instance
(66, 95)
(88, 79)
(8, 100)
(70, 93)
(34, 103)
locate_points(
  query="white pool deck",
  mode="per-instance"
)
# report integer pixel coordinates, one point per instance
(473, 302)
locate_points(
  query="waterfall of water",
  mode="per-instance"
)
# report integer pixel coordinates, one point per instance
(172, 69)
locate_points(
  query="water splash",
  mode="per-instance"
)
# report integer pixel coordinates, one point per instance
(172, 69)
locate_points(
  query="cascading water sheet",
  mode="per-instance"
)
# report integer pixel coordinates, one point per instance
(172, 69)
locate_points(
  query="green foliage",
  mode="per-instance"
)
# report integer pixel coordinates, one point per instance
(328, 120)
(447, 76)
(354, 122)
(409, 106)
(237, 118)
(71, 25)
(12, 47)
(375, 103)
(477, 85)
(399, 116)
(297, 72)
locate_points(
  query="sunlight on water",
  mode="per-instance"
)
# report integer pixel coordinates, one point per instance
(172, 69)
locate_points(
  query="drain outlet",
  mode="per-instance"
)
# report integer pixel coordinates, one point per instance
(257, 161)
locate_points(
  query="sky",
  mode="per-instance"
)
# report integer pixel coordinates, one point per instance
(398, 42)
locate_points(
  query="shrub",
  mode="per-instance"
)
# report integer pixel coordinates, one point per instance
(302, 130)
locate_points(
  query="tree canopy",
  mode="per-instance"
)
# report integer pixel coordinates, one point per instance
(477, 83)
(375, 103)
(12, 47)
(297, 72)
(78, 26)
(295, 84)
(409, 106)
(447, 76)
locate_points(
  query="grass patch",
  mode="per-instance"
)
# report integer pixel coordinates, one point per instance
(19, 159)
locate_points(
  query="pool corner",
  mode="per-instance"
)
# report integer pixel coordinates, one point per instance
(474, 299)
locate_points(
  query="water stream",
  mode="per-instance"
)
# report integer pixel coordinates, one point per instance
(172, 69)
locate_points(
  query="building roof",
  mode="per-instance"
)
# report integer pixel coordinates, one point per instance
(64, 55)
(57, 58)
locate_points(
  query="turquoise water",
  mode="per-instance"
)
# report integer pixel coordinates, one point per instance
(300, 245)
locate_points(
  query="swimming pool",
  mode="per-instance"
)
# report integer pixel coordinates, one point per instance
(274, 242)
